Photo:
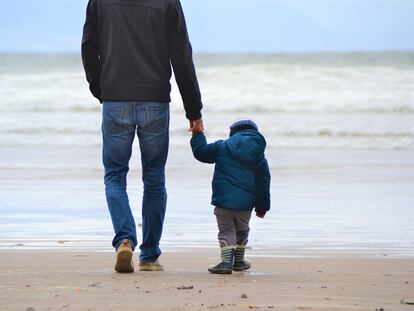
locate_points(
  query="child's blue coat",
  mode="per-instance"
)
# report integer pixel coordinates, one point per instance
(241, 176)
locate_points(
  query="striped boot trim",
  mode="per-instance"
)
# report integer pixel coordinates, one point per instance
(240, 250)
(227, 254)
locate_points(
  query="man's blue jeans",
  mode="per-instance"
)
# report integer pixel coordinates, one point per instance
(120, 122)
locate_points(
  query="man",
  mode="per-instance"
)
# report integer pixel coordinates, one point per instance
(128, 48)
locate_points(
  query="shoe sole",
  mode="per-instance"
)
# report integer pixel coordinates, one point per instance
(241, 269)
(220, 271)
(124, 262)
(150, 268)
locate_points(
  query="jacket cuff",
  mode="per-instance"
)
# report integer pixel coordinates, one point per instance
(192, 116)
(198, 134)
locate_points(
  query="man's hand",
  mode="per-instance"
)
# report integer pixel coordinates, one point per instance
(196, 126)
(260, 214)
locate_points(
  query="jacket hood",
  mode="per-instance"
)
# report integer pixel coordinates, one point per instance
(247, 146)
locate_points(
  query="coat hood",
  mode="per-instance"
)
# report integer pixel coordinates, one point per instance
(247, 146)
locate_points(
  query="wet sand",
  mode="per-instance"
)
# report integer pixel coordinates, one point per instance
(323, 201)
(339, 235)
(57, 280)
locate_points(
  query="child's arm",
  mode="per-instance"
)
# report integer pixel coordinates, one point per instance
(262, 189)
(202, 151)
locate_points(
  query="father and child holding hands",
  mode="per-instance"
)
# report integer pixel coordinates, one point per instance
(128, 49)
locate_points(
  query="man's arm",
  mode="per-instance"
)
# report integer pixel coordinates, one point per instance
(181, 57)
(90, 50)
(263, 188)
(202, 151)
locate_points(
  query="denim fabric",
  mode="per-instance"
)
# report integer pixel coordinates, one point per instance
(120, 122)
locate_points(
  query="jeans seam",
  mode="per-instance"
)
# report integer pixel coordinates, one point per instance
(135, 113)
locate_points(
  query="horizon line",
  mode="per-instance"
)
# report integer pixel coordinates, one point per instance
(384, 51)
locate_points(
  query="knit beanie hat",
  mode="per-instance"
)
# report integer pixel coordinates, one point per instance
(242, 124)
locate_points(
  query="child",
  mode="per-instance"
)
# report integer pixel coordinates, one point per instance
(241, 182)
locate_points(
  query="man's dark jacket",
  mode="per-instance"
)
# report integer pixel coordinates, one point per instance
(241, 175)
(128, 48)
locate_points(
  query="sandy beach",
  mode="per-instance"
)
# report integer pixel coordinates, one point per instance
(55, 251)
(85, 281)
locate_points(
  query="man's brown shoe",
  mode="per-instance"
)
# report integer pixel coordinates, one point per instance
(150, 266)
(124, 263)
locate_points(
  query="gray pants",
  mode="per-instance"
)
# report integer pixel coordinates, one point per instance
(233, 226)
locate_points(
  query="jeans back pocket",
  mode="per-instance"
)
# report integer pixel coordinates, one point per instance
(157, 118)
(112, 119)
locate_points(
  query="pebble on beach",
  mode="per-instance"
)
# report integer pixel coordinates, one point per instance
(183, 287)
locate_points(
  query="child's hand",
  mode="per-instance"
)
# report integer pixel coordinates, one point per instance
(260, 214)
(196, 131)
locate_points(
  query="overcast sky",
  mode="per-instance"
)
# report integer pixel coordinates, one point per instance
(230, 25)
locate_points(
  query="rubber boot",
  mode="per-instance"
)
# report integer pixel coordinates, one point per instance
(241, 264)
(227, 261)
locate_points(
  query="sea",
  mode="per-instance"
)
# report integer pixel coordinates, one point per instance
(326, 100)
(340, 143)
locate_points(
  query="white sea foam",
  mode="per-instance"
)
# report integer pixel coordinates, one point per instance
(358, 101)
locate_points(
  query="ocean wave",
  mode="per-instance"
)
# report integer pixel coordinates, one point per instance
(292, 109)
(237, 87)
(182, 132)
(332, 133)
(299, 101)
(280, 145)
(234, 109)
